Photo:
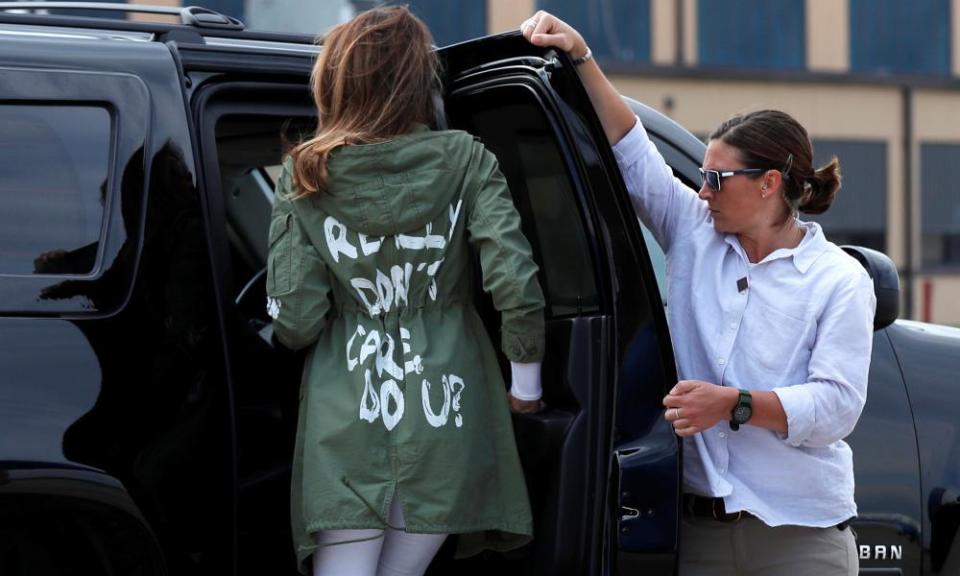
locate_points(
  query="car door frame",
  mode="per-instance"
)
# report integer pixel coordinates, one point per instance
(635, 301)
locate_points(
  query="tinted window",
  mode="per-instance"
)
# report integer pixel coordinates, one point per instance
(511, 123)
(752, 33)
(940, 204)
(451, 22)
(54, 162)
(858, 214)
(683, 168)
(897, 36)
(615, 30)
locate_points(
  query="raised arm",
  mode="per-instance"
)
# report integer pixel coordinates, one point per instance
(545, 29)
(668, 207)
(510, 277)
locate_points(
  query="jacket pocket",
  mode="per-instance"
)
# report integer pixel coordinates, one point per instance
(280, 260)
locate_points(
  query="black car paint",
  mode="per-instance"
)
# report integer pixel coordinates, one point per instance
(101, 385)
(104, 391)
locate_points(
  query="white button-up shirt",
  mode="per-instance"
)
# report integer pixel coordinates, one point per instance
(802, 327)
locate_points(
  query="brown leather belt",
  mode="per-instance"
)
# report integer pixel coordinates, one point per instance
(703, 507)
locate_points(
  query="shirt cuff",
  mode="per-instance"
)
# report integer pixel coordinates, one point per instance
(801, 413)
(525, 381)
(625, 150)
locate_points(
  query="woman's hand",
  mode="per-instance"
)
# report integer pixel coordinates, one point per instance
(524, 406)
(545, 29)
(694, 405)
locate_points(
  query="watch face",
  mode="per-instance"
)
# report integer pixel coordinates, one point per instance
(742, 413)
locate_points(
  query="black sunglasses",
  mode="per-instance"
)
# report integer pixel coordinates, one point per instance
(713, 178)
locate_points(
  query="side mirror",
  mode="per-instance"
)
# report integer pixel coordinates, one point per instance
(886, 283)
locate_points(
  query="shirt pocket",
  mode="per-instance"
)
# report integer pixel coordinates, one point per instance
(280, 260)
(776, 342)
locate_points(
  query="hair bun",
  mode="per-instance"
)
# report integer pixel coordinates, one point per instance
(821, 188)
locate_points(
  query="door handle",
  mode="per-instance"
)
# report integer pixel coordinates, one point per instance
(628, 513)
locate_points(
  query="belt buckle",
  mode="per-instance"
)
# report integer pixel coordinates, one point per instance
(723, 516)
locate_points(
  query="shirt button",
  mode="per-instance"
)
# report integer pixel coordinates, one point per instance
(723, 434)
(722, 470)
(733, 325)
(721, 361)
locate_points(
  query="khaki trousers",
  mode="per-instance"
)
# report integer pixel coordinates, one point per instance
(749, 547)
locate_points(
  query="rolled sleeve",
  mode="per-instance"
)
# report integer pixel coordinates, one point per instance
(825, 409)
(800, 408)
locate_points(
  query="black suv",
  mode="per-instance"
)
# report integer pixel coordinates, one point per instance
(146, 420)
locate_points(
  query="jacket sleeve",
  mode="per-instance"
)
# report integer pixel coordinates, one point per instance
(298, 281)
(509, 272)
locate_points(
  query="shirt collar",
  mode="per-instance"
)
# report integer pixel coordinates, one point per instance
(814, 244)
(803, 256)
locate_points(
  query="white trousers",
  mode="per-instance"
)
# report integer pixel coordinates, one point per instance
(387, 552)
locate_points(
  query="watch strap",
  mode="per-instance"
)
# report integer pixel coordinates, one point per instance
(745, 398)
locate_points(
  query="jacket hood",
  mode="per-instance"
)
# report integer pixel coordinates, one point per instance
(397, 186)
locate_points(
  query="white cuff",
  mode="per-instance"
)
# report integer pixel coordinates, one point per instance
(525, 381)
(801, 413)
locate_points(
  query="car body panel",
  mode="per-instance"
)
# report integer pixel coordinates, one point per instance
(126, 363)
(930, 359)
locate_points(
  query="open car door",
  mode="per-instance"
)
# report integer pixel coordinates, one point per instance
(602, 465)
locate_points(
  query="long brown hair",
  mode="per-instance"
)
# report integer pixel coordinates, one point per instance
(774, 140)
(373, 81)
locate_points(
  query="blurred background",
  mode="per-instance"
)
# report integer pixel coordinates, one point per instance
(876, 82)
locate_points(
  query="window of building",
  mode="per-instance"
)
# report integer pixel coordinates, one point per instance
(752, 33)
(858, 214)
(896, 36)
(616, 30)
(54, 162)
(451, 22)
(940, 211)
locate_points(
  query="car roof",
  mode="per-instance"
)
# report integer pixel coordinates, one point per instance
(197, 25)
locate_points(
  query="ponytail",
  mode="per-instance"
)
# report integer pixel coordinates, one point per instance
(821, 188)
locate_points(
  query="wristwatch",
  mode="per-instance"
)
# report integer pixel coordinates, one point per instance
(742, 410)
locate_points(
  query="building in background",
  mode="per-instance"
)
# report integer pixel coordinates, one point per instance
(876, 82)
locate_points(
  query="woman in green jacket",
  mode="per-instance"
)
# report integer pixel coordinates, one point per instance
(404, 430)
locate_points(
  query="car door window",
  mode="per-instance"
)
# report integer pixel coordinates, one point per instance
(54, 162)
(513, 126)
(682, 167)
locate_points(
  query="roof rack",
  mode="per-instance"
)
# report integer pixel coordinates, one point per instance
(194, 16)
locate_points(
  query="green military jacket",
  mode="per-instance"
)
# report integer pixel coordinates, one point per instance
(402, 394)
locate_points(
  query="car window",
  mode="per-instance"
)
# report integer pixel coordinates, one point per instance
(658, 260)
(54, 162)
(249, 151)
(685, 169)
(510, 122)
